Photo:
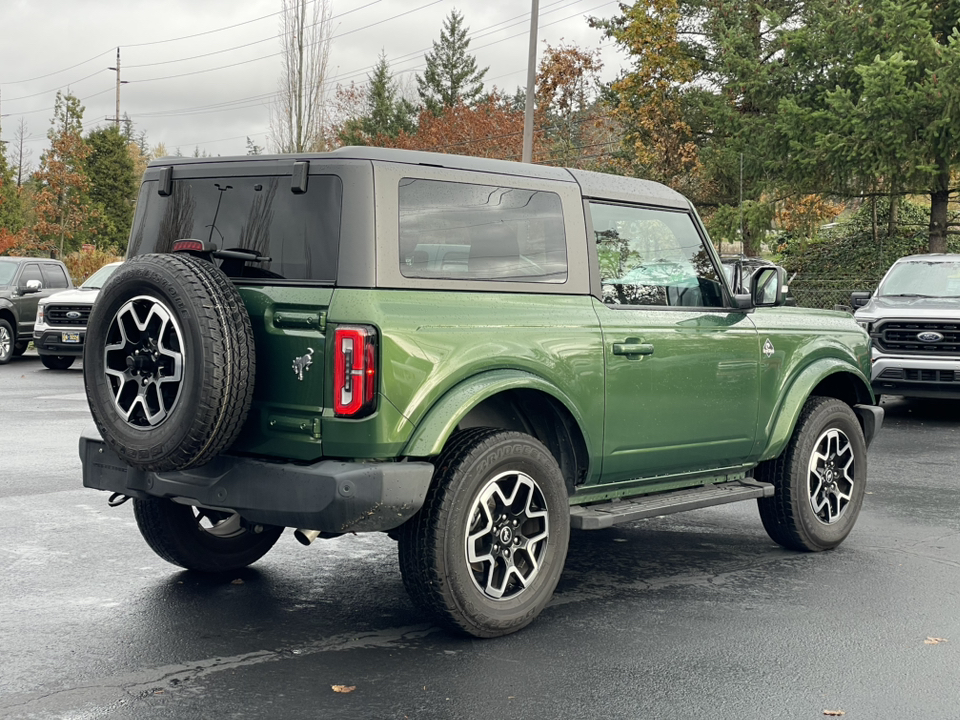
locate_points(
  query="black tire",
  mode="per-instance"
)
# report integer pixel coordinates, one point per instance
(819, 479)
(7, 342)
(20, 347)
(477, 471)
(176, 326)
(57, 362)
(200, 539)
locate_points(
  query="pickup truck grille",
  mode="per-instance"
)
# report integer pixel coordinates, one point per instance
(911, 375)
(57, 315)
(901, 337)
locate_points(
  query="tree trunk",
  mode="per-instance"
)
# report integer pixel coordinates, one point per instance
(939, 197)
(893, 217)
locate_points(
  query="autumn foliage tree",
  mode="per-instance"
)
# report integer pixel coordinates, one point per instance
(64, 214)
(491, 128)
(575, 122)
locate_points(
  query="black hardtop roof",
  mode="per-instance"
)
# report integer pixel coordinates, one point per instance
(592, 184)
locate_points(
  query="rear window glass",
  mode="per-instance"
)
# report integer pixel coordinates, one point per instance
(461, 231)
(298, 233)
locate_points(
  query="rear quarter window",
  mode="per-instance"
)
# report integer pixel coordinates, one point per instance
(463, 231)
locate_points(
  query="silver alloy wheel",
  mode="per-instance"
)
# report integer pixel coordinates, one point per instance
(143, 359)
(507, 535)
(831, 476)
(5, 341)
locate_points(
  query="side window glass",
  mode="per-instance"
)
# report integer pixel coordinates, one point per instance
(53, 276)
(31, 272)
(461, 231)
(653, 257)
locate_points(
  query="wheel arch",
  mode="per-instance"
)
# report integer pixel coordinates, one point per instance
(509, 400)
(828, 377)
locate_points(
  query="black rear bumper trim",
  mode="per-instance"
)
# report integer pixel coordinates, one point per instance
(330, 496)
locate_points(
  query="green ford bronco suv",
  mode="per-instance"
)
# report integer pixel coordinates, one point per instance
(470, 355)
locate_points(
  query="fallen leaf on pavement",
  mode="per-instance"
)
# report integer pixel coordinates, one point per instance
(238, 581)
(934, 641)
(344, 688)
(834, 713)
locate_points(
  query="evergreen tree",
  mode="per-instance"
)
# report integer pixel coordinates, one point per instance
(113, 183)
(726, 99)
(886, 119)
(451, 76)
(388, 113)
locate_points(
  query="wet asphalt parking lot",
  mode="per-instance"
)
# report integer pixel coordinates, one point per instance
(697, 615)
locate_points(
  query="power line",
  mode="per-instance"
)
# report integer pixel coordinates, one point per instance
(245, 45)
(482, 32)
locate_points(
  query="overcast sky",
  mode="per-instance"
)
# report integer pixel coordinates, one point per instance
(201, 73)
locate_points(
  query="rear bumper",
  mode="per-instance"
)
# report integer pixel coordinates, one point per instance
(330, 496)
(50, 342)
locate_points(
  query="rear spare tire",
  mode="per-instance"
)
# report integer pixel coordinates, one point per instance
(169, 362)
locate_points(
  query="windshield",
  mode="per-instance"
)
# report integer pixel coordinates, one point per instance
(922, 278)
(97, 280)
(7, 271)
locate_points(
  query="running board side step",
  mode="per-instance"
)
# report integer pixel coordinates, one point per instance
(604, 515)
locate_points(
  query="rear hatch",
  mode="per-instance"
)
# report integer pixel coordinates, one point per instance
(291, 222)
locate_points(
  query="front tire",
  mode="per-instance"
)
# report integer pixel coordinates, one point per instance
(6, 342)
(201, 539)
(56, 362)
(485, 552)
(819, 479)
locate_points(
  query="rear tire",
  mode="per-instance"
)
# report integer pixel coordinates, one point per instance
(485, 552)
(819, 479)
(201, 539)
(57, 362)
(20, 347)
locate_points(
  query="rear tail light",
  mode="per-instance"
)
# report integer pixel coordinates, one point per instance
(354, 371)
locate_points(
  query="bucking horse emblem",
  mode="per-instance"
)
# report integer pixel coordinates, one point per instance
(303, 363)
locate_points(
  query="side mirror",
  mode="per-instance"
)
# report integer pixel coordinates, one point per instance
(858, 299)
(766, 287)
(32, 286)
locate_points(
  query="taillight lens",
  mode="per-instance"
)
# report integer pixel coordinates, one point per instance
(354, 371)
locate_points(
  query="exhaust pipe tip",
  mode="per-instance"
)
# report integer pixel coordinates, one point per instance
(305, 537)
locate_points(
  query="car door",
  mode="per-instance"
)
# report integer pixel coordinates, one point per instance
(681, 365)
(27, 301)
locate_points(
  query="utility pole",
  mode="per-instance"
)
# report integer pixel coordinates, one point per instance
(531, 78)
(116, 117)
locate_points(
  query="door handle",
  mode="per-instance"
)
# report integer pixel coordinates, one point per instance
(632, 348)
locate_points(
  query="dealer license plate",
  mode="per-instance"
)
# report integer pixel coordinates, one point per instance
(70, 337)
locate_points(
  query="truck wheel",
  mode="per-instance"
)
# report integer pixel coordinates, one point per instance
(201, 539)
(20, 347)
(819, 479)
(169, 362)
(6, 342)
(56, 362)
(485, 552)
